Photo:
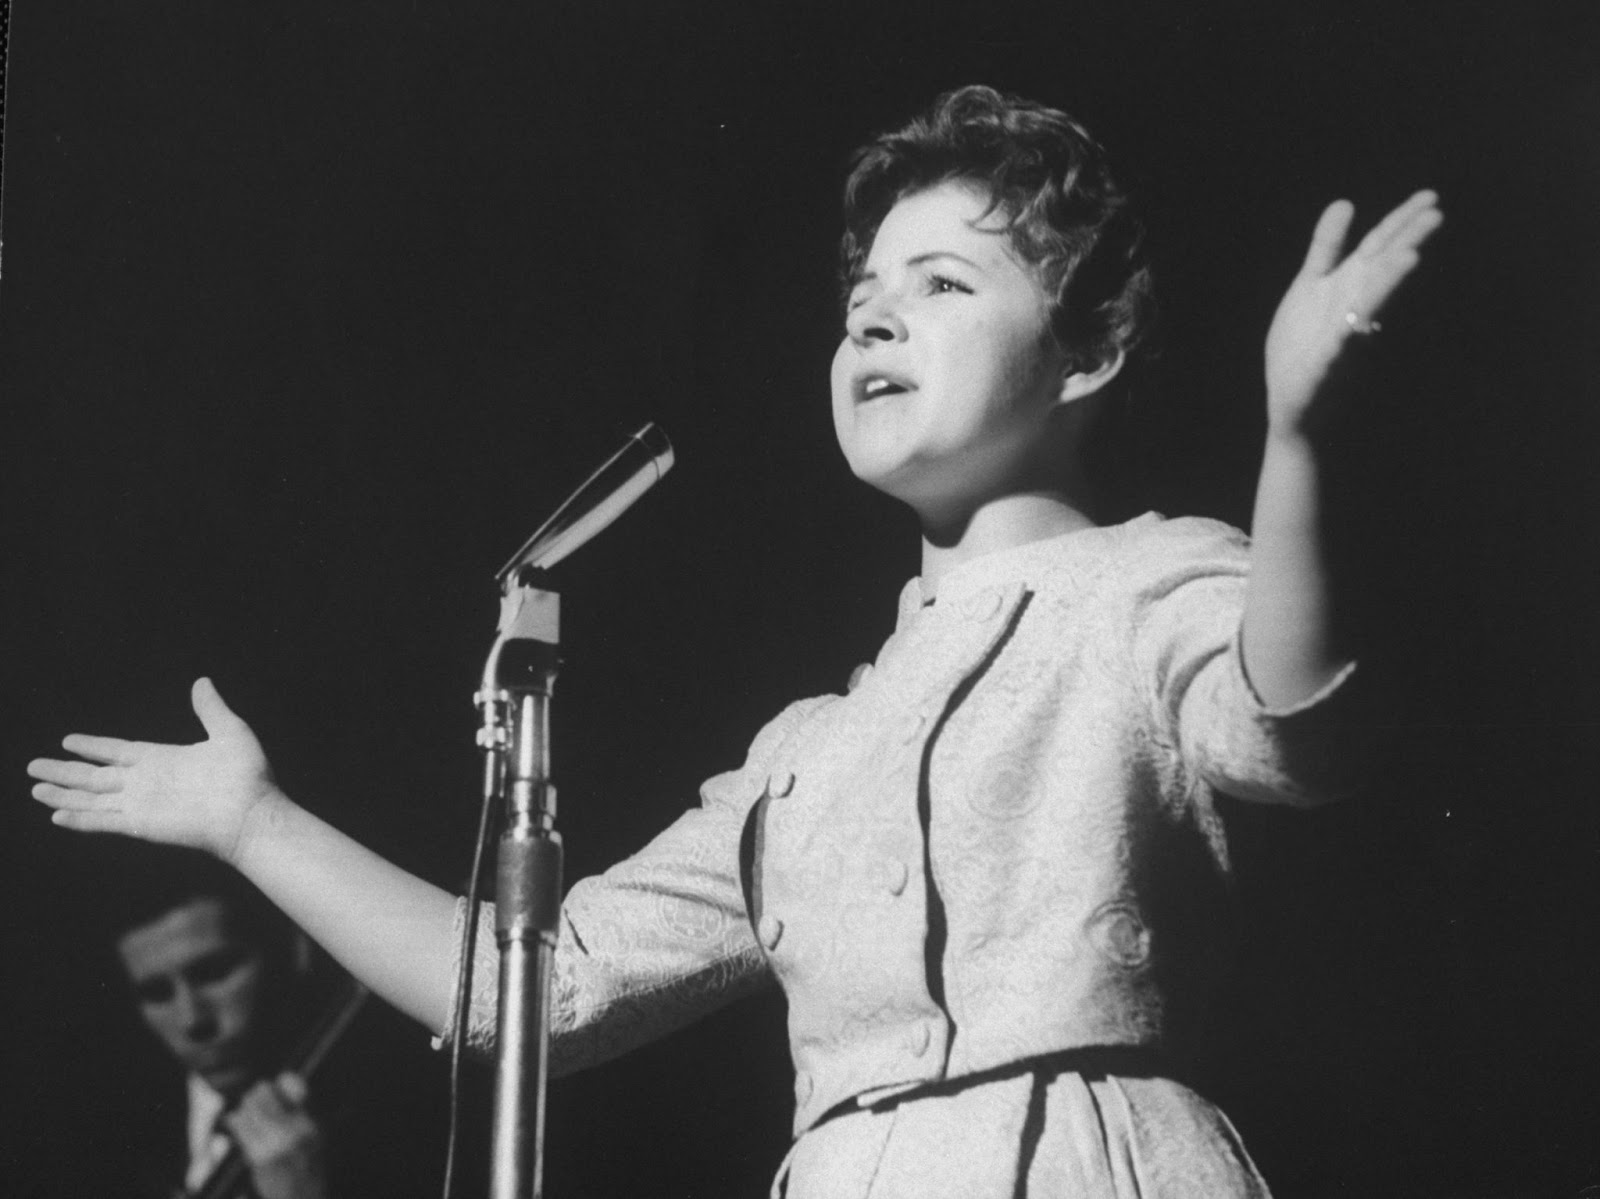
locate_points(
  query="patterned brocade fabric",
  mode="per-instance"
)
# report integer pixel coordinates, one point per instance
(656, 941)
(638, 971)
(1002, 843)
(482, 1006)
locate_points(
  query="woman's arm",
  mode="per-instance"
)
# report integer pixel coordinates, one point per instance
(390, 929)
(1290, 637)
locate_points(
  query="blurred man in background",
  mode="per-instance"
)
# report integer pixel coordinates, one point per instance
(234, 995)
(215, 977)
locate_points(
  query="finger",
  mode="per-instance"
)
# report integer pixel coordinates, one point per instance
(217, 718)
(68, 797)
(1385, 278)
(247, 1127)
(265, 1103)
(52, 770)
(94, 821)
(293, 1088)
(1327, 239)
(111, 750)
(78, 776)
(1386, 230)
(1415, 231)
(248, 1122)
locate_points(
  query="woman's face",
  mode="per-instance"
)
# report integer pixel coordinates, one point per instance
(948, 371)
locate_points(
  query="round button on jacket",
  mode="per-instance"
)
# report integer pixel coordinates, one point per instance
(982, 605)
(919, 1038)
(1119, 933)
(780, 783)
(895, 875)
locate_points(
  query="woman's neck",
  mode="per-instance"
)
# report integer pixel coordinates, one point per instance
(998, 524)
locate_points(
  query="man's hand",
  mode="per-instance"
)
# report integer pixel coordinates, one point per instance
(202, 795)
(280, 1140)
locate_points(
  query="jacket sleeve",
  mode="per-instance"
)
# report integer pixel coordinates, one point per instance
(1188, 607)
(655, 942)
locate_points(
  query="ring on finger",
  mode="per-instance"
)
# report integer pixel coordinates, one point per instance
(1360, 327)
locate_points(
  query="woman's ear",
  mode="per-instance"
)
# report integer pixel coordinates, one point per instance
(1080, 383)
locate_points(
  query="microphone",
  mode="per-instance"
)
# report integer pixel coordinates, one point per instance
(625, 476)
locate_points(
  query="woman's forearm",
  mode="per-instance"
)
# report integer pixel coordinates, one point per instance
(1290, 643)
(390, 929)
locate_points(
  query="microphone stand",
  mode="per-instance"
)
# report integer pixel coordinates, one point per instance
(515, 701)
(514, 698)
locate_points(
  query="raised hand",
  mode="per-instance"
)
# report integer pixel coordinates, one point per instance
(1336, 297)
(201, 795)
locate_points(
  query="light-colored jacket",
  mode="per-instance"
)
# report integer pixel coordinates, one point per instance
(1003, 842)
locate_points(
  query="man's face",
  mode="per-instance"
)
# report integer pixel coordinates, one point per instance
(201, 987)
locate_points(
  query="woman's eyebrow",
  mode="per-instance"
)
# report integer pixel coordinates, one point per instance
(933, 255)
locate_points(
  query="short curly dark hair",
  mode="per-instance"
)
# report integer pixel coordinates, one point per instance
(1048, 179)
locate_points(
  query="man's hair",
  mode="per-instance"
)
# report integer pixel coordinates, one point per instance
(154, 880)
(1047, 179)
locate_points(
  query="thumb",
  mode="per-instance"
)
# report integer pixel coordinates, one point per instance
(293, 1088)
(1328, 238)
(215, 716)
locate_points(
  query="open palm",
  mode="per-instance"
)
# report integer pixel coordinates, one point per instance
(198, 795)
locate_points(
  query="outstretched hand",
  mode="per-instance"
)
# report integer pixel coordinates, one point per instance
(199, 795)
(1336, 297)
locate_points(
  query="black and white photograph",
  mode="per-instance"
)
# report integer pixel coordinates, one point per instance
(710, 599)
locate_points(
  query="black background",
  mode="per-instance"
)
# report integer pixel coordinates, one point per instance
(311, 312)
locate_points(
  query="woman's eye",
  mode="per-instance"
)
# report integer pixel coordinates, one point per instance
(939, 284)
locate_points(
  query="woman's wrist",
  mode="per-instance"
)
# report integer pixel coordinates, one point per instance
(1290, 429)
(264, 820)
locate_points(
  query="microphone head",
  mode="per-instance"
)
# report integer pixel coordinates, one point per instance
(639, 465)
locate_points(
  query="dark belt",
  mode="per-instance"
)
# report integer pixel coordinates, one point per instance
(1093, 1062)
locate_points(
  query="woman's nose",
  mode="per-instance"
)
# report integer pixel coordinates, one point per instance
(875, 320)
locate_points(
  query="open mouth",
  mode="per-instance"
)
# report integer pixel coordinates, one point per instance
(876, 387)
